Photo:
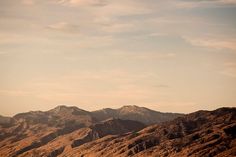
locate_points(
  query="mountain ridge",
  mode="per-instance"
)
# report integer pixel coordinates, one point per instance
(133, 112)
(35, 129)
(70, 131)
(127, 112)
(202, 133)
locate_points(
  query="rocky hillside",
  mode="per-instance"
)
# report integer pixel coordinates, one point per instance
(6, 121)
(61, 116)
(70, 131)
(136, 113)
(49, 133)
(51, 145)
(202, 133)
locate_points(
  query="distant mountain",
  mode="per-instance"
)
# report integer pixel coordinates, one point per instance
(136, 113)
(202, 133)
(58, 117)
(6, 121)
(31, 131)
(127, 131)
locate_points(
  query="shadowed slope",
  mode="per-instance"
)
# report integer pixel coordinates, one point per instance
(202, 133)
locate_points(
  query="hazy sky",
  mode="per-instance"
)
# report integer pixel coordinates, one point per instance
(168, 55)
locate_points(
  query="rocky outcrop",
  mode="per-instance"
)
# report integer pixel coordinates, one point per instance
(110, 127)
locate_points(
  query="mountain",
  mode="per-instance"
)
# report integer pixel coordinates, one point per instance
(70, 131)
(72, 140)
(136, 113)
(58, 117)
(6, 121)
(202, 133)
(49, 133)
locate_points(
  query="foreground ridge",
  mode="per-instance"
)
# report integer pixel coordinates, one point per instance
(127, 131)
(202, 133)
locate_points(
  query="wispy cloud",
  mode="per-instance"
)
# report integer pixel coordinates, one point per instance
(15, 93)
(143, 56)
(212, 43)
(229, 69)
(118, 27)
(28, 2)
(92, 87)
(179, 106)
(188, 4)
(83, 2)
(228, 1)
(64, 27)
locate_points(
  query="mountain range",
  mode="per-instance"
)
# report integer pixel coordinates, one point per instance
(127, 131)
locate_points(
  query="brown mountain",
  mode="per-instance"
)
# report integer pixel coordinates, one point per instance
(61, 116)
(6, 121)
(202, 133)
(70, 131)
(34, 129)
(37, 131)
(136, 113)
(55, 146)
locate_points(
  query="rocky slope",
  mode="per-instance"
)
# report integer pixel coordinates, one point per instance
(70, 131)
(202, 133)
(35, 129)
(58, 117)
(6, 121)
(49, 133)
(69, 141)
(136, 113)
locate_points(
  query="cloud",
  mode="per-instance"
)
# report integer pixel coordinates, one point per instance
(105, 87)
(228, 1)
(104, 8)
(188, 4)
(229, 69)
(15, 40)
(212, 43)
(14, 92)
(162, 86)
(211, 1)
(142, 56)
(64, 27)
(28, 2)
(83, 2)
(179, 106)
(118, 27)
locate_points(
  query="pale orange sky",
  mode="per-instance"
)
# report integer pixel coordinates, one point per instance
(171, 56)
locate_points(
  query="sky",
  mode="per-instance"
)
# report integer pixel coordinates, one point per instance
(170, 56)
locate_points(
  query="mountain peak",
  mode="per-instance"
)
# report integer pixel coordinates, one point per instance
(130, 107)
(134, 112)
(133, 109)
(66, 109)
(60, 108)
